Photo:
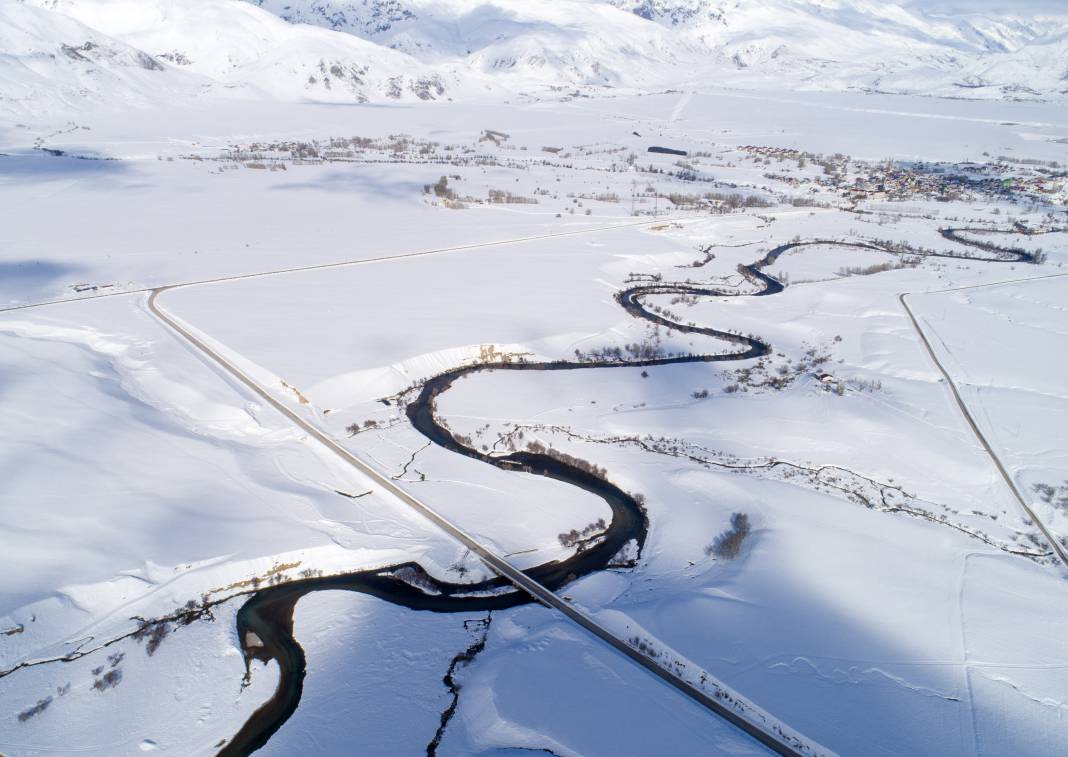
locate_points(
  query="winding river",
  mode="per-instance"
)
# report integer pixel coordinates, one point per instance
(265, 621)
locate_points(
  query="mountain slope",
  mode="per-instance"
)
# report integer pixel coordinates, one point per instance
(50, 62)
(947, 47)
(61, 55)
(565, 42)
(237, 48)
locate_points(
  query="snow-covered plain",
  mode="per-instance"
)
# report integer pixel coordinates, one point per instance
(889, 598)
(374, 686)
(1005, 348)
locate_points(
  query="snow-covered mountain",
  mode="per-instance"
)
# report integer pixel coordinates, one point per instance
(565, 41)
(69, 53)
(52, 62)
(948, 47)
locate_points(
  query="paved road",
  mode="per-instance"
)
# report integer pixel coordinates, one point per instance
(1058, 549)
(761, 731)
(344, 263)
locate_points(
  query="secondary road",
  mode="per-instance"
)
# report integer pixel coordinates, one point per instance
(1058, 549)
(764, 729)
(344, 263)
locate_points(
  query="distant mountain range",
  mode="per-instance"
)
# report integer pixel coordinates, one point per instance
(57, 55)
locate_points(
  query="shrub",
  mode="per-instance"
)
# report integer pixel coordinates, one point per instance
(37, 709)
(574, 536)
(154, 632)
(441, 189)
(109, 680)
(729, 543)
(504, 197)
(1057, 496)
(586, 466)
(876, 268)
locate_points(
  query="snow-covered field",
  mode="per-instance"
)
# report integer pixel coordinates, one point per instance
(1005, 346)
(827, 537)
(374, 686)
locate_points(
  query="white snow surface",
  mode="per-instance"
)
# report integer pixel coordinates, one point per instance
(138, 476)
(78, 55)
(1005, 347)
(536, 685)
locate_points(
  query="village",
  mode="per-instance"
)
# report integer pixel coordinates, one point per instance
(1003, 178)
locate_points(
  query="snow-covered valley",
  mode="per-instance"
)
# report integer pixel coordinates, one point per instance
(584, 378)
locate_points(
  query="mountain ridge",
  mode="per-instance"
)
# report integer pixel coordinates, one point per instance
(396, 50)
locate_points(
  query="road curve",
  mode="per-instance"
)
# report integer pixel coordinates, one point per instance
(767, 735)
(344, 263)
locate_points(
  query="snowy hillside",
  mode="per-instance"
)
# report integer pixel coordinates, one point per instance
(202, 46)
(948, 48)
(52, 62)
(570, 41)
(66, 54)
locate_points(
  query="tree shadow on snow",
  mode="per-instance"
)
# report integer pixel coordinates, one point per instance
(45, 166)
(364, 182)
(21, 276)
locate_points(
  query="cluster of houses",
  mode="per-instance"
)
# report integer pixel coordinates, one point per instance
(936, 183)
(895, 184)
(922, 180)
(782, 153)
